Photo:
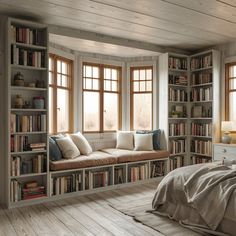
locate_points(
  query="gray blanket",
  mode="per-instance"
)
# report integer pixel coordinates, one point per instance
(202, 197)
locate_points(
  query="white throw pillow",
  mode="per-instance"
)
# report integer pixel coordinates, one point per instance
(125, 140)
(68, 148)
(143, 142)
(81, 143)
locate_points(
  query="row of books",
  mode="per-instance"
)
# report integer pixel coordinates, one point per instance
(201, 147)
(32, 123)
(25, 191)
(178, 63)
(201, 129)
(178, 80)
(177, 146)
(26, 57)
(201, 94)
(201, 112)
(199, 159)
(201, 78)
(20, 166)
(177, 129)
(97, 179)
(177, 95)
(66, 184)
(139, 172)
(158, 169)
(26, 35)
(176, 162)
(20, 143)
(201, 62)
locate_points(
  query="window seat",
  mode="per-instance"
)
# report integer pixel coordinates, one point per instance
(109, 156)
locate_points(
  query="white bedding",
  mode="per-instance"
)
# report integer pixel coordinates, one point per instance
(201, 197)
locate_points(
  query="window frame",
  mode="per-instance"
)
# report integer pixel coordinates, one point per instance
(55, 87)
(132, 68)
(101, 92)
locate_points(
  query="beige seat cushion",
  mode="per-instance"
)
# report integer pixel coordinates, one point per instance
(131, 156)
(94, 159)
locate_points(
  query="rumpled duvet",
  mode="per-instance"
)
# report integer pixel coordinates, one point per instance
(201, 197)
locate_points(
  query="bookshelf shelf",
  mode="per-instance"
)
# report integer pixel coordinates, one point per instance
(28, 67)
(201, 136)
(27, 88)
(28, 133)
(28, 152)
(28, 175)
(201, 154)
(201, 85)
(202, 101)
(178, 86)
(178, 154)
(202, 69)
(178, 70)
(30, 46)
(28, 110)
(178, 136)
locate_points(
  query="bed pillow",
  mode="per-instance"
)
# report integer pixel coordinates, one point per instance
(125, 140)
(143, 142)
(68, 148)
(156, 137)
(81, 143)
(54, 151)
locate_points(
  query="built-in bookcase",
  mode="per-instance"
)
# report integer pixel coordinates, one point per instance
(205, 103)
(189, 106)
(27, 112)
(174, 106)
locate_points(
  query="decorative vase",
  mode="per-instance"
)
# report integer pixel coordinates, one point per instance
(19, 102)
(19, 79)
(38, 102)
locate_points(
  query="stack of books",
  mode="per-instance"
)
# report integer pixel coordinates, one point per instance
(119, 176)
(138, 172)
(37, 146)
(96, 179)
(33, 190)
(158, 169)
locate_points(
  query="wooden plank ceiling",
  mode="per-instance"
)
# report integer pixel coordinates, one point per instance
(183, 24)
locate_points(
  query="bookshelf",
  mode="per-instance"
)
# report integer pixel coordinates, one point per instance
(204, 102)
(27, 167)
(174, 106)
(190, 109)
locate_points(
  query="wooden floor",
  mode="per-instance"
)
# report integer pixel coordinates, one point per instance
(85, 215)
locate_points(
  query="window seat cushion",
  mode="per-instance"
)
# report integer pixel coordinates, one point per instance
(96, 158)
(132, 156)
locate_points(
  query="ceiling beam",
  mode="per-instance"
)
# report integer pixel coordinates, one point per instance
(82, 34)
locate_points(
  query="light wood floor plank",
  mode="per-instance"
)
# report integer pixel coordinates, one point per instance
(83, 215)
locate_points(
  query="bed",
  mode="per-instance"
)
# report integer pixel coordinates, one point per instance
(201, 197)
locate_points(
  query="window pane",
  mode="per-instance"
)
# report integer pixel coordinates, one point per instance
(50, 110)
(64, 81)
(142, 86)
(114, 74)
(136, 75)
(64, 68)
(232, 71)
(88, 71)
(91, 111)
(149, 86)
(232, 84)
(59, 66)
(142, 111)
(95, 72)
(149, 74)
(62, 110)
(110, 111)
(88, 83)
(107, 85)
(107, 73)
(136, 87)
(142, 74)
(114, 86)
(96, 84)
(59, 79)
(232, 106)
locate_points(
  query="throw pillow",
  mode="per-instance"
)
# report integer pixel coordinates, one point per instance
(125, 140)
(54, 151)
(68, 148)
(156, 137)
(81, 143)
(143, 142)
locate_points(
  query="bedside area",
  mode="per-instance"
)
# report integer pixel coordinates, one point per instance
(224, 152)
